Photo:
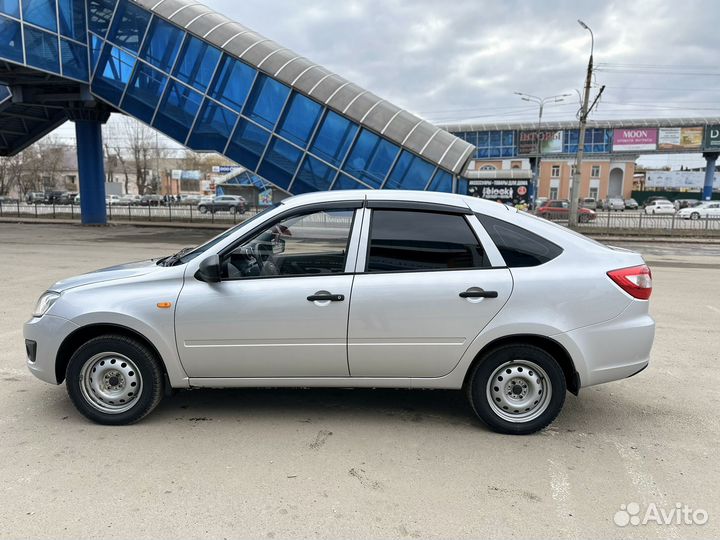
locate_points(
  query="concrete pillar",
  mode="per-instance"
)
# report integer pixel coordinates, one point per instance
(91, 171)
(711, 160)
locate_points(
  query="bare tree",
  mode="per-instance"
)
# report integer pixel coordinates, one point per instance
(141, 146)
(40, 165)
(10, 171)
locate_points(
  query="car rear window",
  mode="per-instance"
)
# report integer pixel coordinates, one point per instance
(519, 247)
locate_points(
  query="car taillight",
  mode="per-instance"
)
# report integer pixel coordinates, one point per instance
(636, 281)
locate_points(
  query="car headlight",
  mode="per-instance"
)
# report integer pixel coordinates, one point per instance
(44, 303)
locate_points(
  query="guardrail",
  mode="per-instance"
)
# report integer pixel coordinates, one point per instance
(629, 222)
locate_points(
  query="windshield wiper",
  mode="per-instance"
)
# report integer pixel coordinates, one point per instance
(172, 260)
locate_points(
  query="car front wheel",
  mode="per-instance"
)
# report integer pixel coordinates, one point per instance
(114, 380)
(517, 389)
(203, 209)
(695, 215)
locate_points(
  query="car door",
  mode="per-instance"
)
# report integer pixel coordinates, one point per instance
(425, 288)
(713, 211)
(281, 308)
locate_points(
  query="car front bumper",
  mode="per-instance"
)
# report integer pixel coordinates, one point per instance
(43, 337)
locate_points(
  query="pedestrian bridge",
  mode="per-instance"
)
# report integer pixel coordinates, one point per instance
(211, 84)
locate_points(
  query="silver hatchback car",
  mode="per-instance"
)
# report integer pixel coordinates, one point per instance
(356, 289)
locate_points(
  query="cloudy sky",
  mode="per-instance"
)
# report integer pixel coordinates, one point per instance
(461, 60)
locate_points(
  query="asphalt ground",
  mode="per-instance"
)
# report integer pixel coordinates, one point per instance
(357, 463)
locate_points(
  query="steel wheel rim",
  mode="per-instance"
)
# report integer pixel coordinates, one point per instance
(519, 391)
(110, 382)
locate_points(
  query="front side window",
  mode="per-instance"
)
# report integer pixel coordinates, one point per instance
(422, 241)
(301, 245)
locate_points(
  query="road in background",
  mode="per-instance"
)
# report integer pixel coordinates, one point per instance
(354, 463)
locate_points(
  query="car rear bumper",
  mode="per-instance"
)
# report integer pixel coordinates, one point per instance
(613, 350)
(43, 337)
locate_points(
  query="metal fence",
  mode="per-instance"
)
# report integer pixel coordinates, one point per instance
(629, 222)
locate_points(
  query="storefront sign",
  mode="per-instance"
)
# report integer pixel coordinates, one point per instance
(551, 142)
(680, 138)
(712, 138)
(634, 139)
(500, 190)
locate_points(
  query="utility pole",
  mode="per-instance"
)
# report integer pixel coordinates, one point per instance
(577, 176)
(541, 102)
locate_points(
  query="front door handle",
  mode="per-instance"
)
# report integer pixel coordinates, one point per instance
(326, 298)
(478, 293)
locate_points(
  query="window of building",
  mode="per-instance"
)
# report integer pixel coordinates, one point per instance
(593, 193)
(410, 172)
(196, 63)
(299, 119)
(555, 172)
(493, 144)
(442, 181)
(74, 60)
(41, 13)
(597, 141)
(333, 138)
(162, 44)
(308, 244)
(177, 111)
(371, 159)
(113, 73)
(99, 14)
(248, 144)
(72, 19)
(314, 175)
(403, 241)
(595, 171)
(519, 247)
(41, 49)
(266, 101)
(488, 168)
(143, 94)
(553, 193)
(129, 25)
(10, 39)
(10, 7)
(212, 127)
(280, 162)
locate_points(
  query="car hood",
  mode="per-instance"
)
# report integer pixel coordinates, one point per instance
(112, 273)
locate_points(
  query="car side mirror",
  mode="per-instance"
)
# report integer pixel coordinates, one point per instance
(209, 270)
(278, 246)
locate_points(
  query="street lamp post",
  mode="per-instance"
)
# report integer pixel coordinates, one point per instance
(541, 103)
(577, 176)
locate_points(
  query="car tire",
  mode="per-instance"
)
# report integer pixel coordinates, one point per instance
(695, 216)
(114, 380)
(203, 209)
(522, 376)
(233, 210)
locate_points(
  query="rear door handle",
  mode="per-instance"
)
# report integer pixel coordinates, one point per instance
(479, 294)
(326, 298)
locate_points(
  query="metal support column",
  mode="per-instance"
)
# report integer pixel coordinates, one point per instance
(91, 171)
(711, 161)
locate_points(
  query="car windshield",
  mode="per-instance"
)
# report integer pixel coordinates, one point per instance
(187, 255)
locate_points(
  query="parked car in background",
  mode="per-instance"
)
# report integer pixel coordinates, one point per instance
(660, 207)
(112, 200)
(651, 200)
(615, 205)
(224, 203)
(448, 292)
(686, 203)
(631, 204)
(130, 200)
(560, 209)
(540, 201)
(76, 200)
(54, 197)
(35, 197)
(68, 197)
(151, 200)
(589, 203)
(708, 209)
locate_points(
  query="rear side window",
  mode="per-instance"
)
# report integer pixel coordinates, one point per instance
(519, 247)
(402, 240)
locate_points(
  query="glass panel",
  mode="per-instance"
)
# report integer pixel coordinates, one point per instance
(144, 92)
(463, 186)
(402, 241)
(95, 51)
(482, 138)
(72, 19)
(177, 111)
(212, 128)
(247, 144)
(10, 39)
(74, 60)
(41, 13)
(299, 120)
(41, 49)
(11, 7)
(100, 12)
(334, 138)
(519, 247)
(113, 73)
(232, 83)
(410, 172)
(314, 175)
(196, 63)
(495, 138)
(266, 101)
(129, 25)
(345, 182)
(307, 244)
(280, 162)
(162, 44)
(441, 182)
(371, 159)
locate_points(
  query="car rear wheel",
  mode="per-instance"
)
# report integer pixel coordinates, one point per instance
(114, 380)
(695, 215)
(203, 209)
(233, 210)
(517, 389)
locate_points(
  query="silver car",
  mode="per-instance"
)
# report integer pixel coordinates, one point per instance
(356, 289)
